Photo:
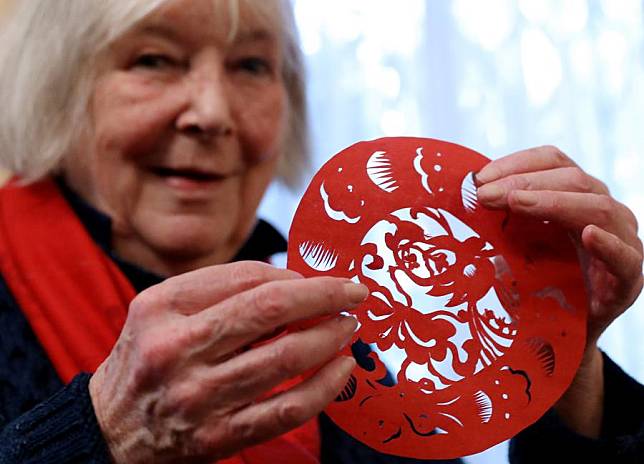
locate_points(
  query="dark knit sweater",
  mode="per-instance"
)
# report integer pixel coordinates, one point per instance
(42, 421)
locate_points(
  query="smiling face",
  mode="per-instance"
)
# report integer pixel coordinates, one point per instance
(188, 124)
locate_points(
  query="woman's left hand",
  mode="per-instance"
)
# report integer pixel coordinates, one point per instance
(546, 184)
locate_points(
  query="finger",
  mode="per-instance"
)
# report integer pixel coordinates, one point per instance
(194, 291)
(291, 409)
(534, 159)
(245, 317)
(575, 210)
(249, 376)
(568, 179)
(621, 259)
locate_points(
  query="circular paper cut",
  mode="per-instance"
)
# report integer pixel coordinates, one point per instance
(475, 323)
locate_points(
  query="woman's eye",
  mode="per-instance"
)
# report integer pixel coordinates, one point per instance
(154, 61)
(254, 65)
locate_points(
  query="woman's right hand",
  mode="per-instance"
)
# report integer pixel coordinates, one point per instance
(179, 385)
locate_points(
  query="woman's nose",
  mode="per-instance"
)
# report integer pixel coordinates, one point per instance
(207, 112)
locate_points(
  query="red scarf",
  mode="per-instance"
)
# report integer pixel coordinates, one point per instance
(76, 298)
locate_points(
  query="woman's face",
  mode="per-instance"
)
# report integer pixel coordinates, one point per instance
(187, 127)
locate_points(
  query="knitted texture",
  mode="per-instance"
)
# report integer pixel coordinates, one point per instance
(27, 377)
(62, 430)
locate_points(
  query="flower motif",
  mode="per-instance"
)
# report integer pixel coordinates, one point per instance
(442, 266)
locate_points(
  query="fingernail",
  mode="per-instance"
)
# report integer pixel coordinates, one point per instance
(348, 363)
(348, 325)
(487, 174)
(589, 230)
(525, 198)
(357, 293)
(490, 193)
(601, 236)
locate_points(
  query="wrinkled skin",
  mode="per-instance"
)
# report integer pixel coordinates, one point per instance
(546, 184)
(187, 130)
(181, 385)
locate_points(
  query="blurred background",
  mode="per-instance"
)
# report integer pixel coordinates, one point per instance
(496, 76)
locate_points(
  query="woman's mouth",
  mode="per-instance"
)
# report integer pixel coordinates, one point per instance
(187, 179)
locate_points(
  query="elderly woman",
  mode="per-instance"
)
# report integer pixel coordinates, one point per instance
(144, 134)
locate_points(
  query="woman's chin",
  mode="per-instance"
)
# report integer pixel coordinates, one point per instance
(171, 247)
(192, 246)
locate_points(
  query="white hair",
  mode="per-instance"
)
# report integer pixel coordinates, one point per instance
(48, 64)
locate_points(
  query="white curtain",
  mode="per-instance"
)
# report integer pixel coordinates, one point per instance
(494, 75)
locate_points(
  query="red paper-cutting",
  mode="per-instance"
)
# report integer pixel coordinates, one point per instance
(475, 323)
